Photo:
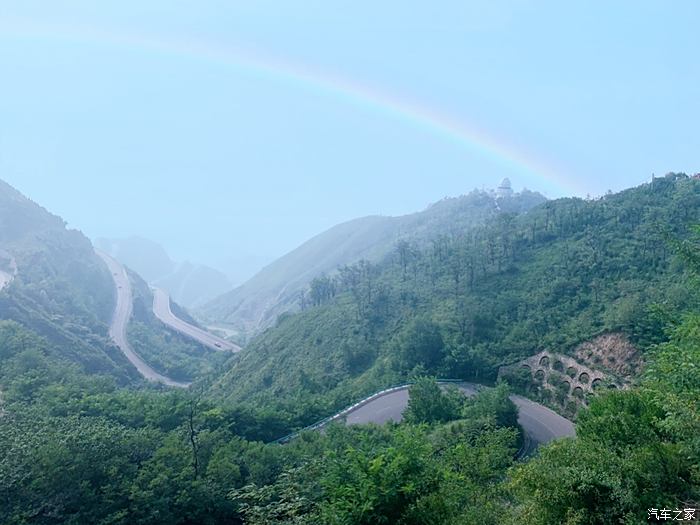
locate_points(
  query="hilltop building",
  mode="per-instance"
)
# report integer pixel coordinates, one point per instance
(504, 189)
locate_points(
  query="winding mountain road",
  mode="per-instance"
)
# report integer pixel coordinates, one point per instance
(540, 424)
(122, 314)
(161, 308)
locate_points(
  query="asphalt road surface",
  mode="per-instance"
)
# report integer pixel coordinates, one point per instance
(540, 424)
(122, 314)
(161, 308)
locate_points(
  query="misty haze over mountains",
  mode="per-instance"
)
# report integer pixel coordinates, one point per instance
(190, 284)
(276, 289)
(276, 263)
(459, 290)
(156, 263)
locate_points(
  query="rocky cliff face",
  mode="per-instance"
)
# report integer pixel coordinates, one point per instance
(612, 352)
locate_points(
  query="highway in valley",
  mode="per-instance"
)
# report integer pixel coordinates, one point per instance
(389, 406)
(161, 308)
(540, 424)
(122, 314)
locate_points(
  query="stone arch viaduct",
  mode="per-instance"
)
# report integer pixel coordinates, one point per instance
(577, 379)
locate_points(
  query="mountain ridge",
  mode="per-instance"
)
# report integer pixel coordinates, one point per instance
(63, 292)
(274, 290)
(60, 290)
(561, 274)
(188, 283)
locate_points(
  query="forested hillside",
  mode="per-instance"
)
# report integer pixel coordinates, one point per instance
(62, 292)
(61, 289)
(275, 289)
(354, 318)
(167, 351)
(73, 449)
(77, 448)
(476, 299)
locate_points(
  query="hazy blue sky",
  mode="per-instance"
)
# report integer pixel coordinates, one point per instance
(225, 129)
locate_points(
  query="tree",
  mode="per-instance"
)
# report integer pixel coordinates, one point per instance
(493, 402)
(420, 344)
(571, 483)
(322, 290)
(378, 481)
(406, 253)
(428, 403)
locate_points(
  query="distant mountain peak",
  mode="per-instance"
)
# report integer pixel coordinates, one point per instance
(275, 289)
(188, 283)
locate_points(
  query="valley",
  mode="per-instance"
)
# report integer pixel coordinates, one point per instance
(570, 288)
(122, 314)
(539, 423)
(162, 310)
(349, 263)
(190, 284)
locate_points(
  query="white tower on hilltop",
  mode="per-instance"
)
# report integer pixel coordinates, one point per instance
(504, 189)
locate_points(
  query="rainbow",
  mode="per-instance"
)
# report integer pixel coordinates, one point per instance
(348, 91)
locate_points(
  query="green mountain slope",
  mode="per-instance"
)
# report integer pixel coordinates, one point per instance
(467, 303)
(167, 351)
(174, 456)
(61, 291)
(275, 289)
